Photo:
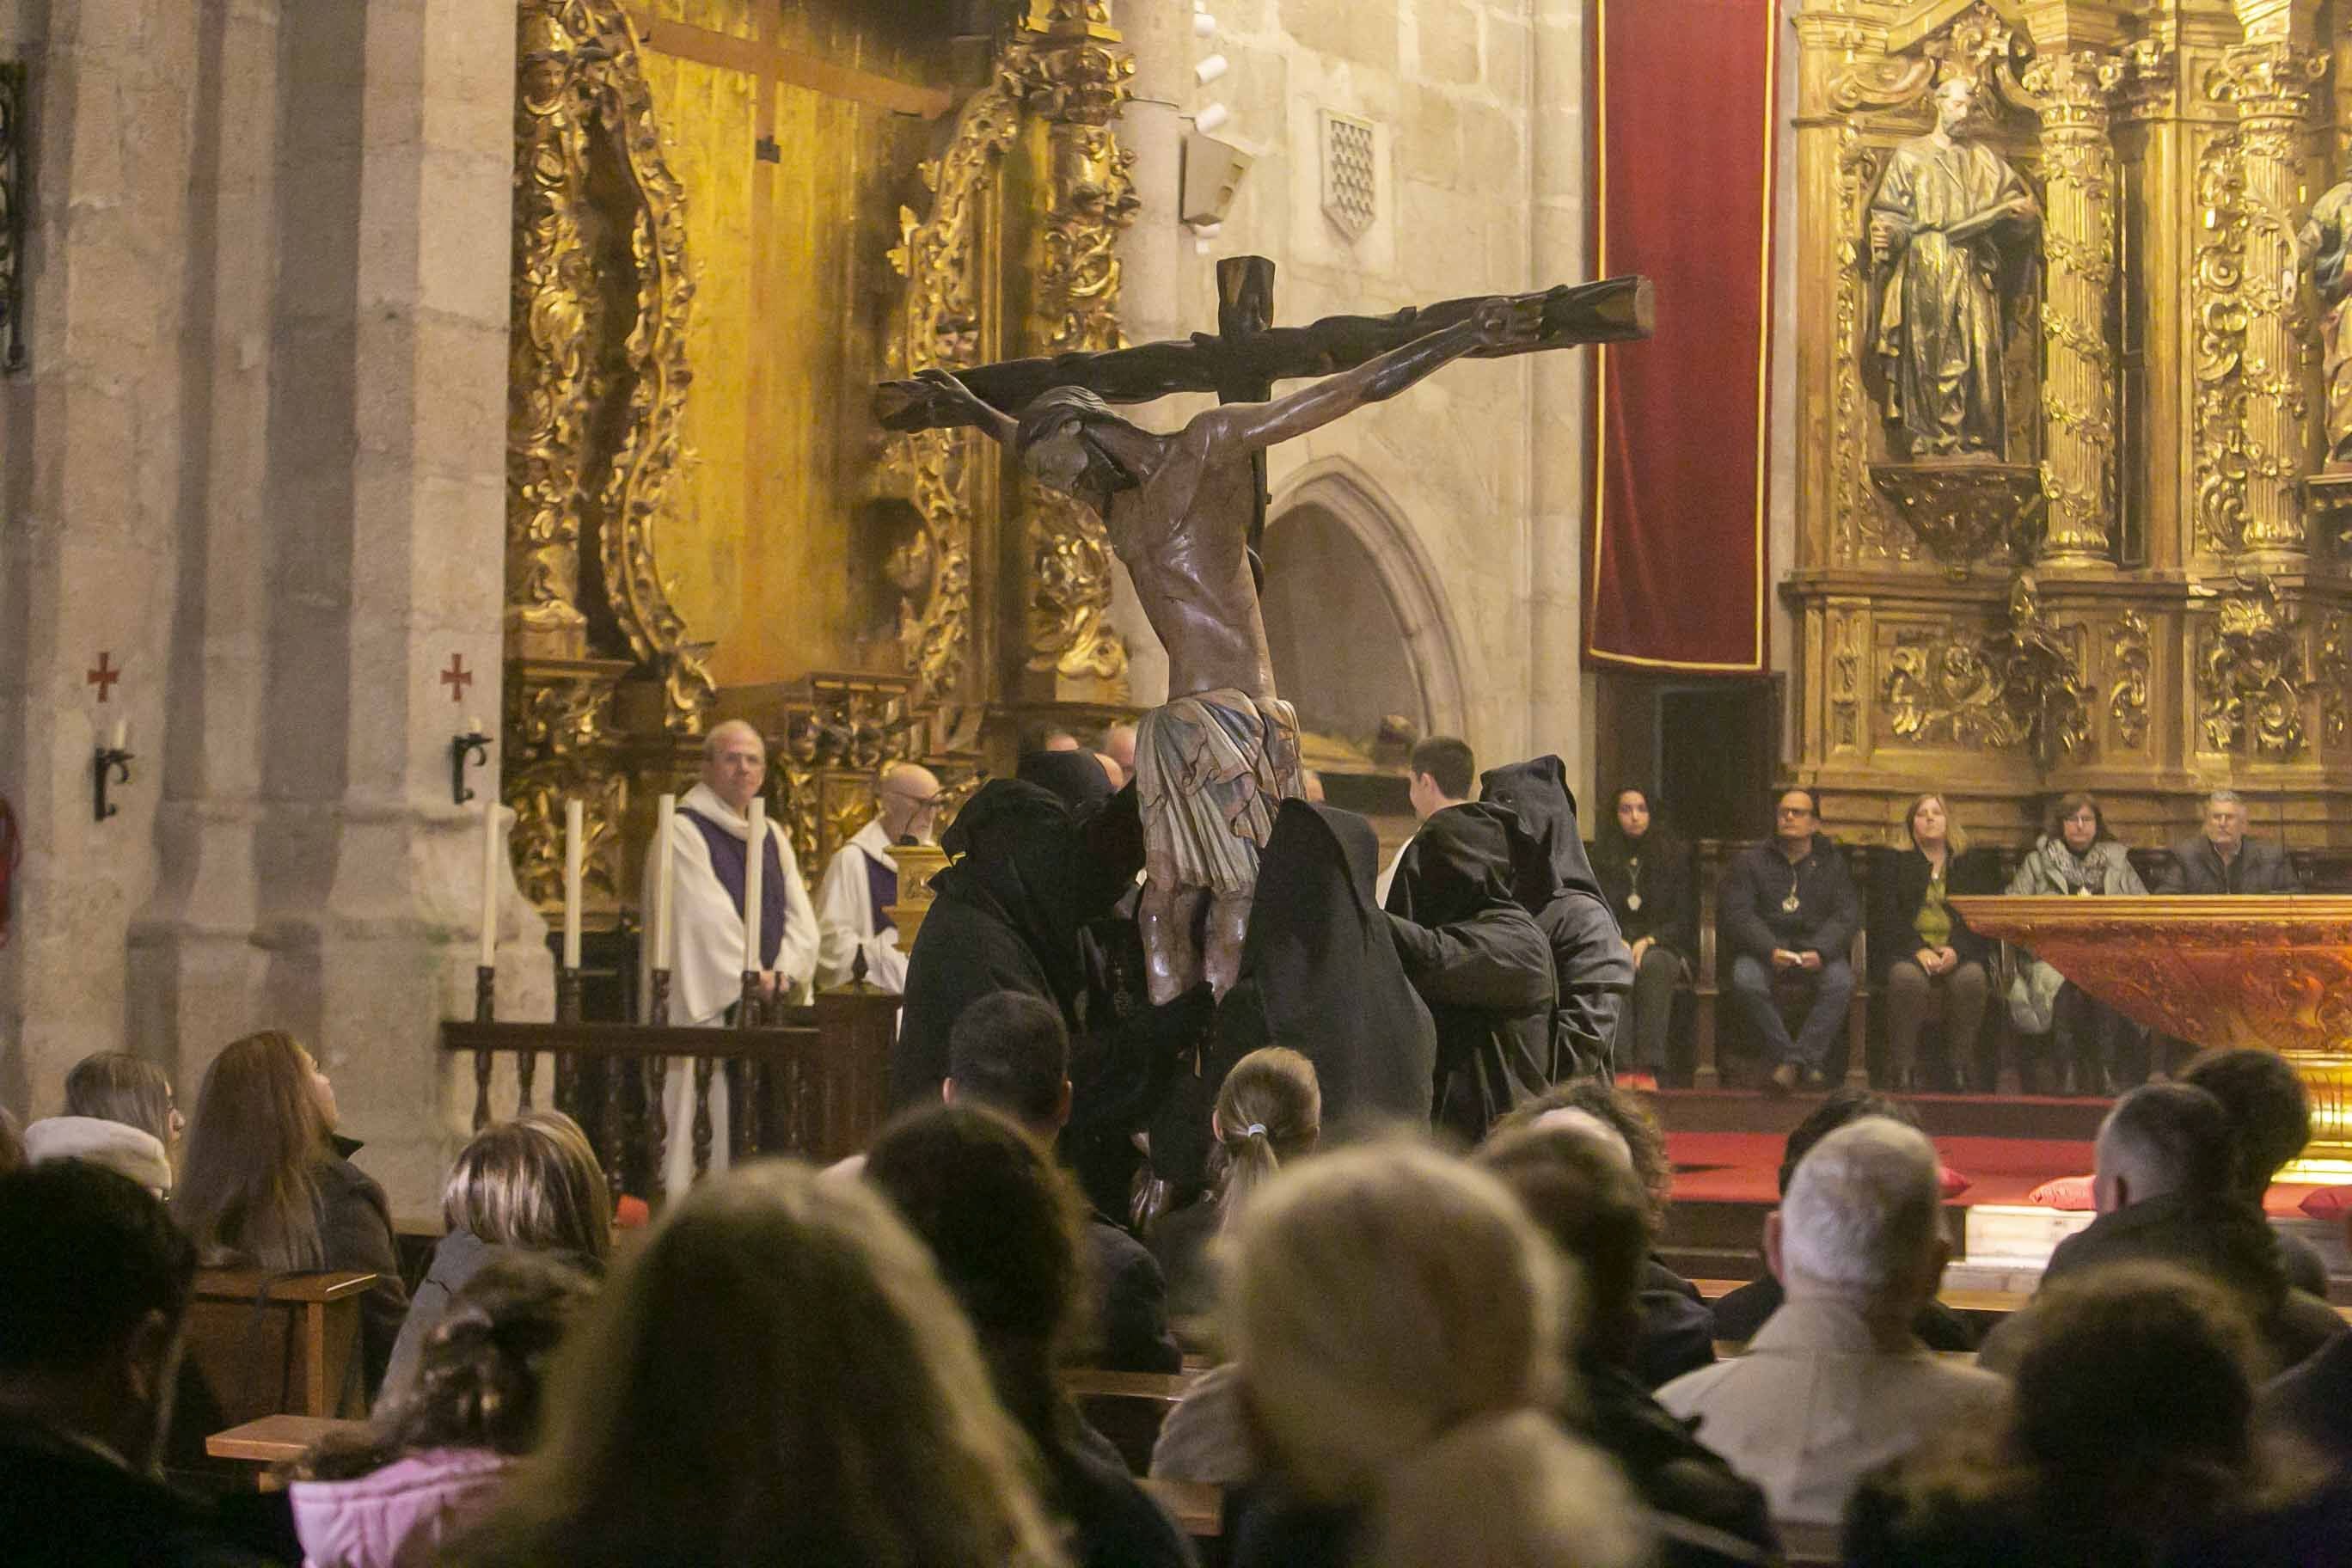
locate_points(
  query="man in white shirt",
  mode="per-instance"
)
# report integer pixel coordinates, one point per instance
(861, 883)
(710, 838)
(1833, 1384)
(1443, 772)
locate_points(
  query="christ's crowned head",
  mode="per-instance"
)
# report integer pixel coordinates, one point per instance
(1058, 443)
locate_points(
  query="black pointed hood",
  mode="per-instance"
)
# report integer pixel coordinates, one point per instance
(1537, 795)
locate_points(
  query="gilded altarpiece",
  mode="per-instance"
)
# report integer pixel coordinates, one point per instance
(2136, 583)
(733, 218)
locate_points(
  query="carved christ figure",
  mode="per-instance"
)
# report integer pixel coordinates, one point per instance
(1211, 764)
(1952, 229)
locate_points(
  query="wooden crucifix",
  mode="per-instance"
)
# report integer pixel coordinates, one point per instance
(1186, 510)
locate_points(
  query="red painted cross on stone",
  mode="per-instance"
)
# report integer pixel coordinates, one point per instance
(102, 677)
(457, 677)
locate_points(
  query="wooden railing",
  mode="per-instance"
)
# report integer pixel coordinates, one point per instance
(814, 1081)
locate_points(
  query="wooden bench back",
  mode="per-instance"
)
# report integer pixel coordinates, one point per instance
(292, 1351)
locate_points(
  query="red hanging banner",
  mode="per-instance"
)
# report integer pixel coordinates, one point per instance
(1684, 117)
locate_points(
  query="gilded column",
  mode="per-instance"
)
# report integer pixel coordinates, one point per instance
(2271, 85)
(2078, 394)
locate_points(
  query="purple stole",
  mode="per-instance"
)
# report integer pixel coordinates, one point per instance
(881, 891)
(728, 859)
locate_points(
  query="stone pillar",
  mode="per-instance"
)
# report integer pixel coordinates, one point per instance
(2078, 397)
(1560, 696)
(2271, 84)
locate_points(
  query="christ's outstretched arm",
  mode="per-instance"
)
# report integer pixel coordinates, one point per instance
(1259, 425)
(992, 420)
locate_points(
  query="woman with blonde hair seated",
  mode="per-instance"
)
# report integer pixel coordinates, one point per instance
(531, 1184)
(118, 1114)
(1398, 1324)
(778, 1376)
(1930, 964)
(269, 1184)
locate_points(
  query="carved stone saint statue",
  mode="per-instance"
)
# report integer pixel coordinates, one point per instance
(1213, 763)
(2326, 246)
(1952, 228)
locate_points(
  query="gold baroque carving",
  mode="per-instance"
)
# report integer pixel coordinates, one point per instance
(1864, 527)
(2128, 703)
(2249, 673)
(2218, 310)
(559, 740)
(1966, 514)
(1845, 680)
(2018, 686)
(2332, 666)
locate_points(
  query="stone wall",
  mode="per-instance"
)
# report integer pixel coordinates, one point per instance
(1477, 474)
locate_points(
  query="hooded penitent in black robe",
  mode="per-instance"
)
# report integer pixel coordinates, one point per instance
(1478, 960)
(1029, 873)
(1319, 973)
(1076, 778)
(1591, 963)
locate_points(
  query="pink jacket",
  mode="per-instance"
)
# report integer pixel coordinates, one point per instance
(401, 1515)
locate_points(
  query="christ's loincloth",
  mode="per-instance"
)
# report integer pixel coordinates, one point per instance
(1210, 770)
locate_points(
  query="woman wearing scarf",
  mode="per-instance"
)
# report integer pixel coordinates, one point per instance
(2076, 856)
(1591, 965)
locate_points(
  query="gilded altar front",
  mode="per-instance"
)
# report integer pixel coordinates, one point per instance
(2122, 566)
(731, 219)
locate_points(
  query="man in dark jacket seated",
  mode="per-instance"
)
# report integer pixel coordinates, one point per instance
(2222, 859)
(90, 1326)
(1740, 1313)
(1591, 965)
(1478, 960)
(1788, 916)
(2165, 1185)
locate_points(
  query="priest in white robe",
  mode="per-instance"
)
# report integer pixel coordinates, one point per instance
(861, 882)
(710, 836)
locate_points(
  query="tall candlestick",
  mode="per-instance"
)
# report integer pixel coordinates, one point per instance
(490, 884)
(663, 817)
(755, 862)
(574, 835)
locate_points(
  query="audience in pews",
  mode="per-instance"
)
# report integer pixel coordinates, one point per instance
(777, 1376)
(2129, 1441)
(1003, 1224)
(1835, 1385)
(435, 1459)
(95, 1293)
(2221, 860)
(530, 1186)
(1592, 969)
(1581, 1191)
(2269, 1114)
(1739, 1313)
(1677, 1334)
(1788, 915)
(2168, 1187)
(1397, 1320)
(1480, 961)
(2094, 1050)
(1929, 964)
(1644, 873)
(2312, 1402)
(1269, 1114)
(118, 1114)
(1010, 1053)
(268, 1183)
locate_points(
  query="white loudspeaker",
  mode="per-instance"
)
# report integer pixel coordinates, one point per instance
(1213, 170)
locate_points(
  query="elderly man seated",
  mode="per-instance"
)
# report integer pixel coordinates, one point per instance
(1834, 1385)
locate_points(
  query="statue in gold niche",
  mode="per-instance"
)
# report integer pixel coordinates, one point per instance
(2327, 243)
(1952, 228)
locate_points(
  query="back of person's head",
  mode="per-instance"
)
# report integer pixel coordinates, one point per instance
(1622, 1110)
(2162, 1139)
(533, 1183)
(1862, 1218)
(248, 1186)
(480, 1373)
(1010, 1051)
(1003, 1225)
(115, 1086)
(97, 1283)
(777, 1376)
(1510, 1491)
(2265, 1103)
(1837, 1108)
(1448, 762)
(1269, 1111)
(1588, 1201)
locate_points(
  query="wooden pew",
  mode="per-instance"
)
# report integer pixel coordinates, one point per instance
(292, 1352)
(1127, 1408)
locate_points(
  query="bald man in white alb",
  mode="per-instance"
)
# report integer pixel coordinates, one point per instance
(861, 882)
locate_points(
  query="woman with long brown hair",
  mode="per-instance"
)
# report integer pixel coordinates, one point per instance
(268, 1185)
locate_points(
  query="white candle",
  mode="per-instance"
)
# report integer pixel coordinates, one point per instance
(755, 861)
(573, 835)
(490, 880)
(121, 740)
(473, 724)
(665, 815)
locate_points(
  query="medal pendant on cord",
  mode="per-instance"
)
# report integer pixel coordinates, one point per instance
(1633, 902)
(1788, 904)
